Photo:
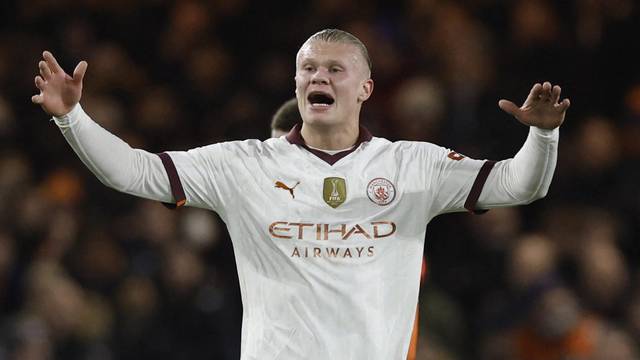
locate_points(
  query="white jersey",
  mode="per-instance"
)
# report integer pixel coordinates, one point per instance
(328, 247)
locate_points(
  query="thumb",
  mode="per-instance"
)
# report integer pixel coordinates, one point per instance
(79, 71)
(509, 107)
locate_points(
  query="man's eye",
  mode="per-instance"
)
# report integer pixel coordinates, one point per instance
(335, 69)
(308, 68)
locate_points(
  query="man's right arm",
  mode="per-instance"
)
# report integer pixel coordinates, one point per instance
(113, 161)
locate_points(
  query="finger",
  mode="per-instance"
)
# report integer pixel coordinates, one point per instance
(563, 106)
(509, 107)
(79, 71)
(40, 83)
(53, 63)
(535, 93)
(546, 90)
(37, 99)
(536, 89)
(44, 70)
(555, 94)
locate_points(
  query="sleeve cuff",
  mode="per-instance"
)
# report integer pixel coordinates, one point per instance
(545, 133)
(70, 118)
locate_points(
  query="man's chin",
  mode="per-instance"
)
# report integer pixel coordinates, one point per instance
(322, 118)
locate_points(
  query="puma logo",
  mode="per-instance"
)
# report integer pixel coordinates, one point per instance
(281, 185)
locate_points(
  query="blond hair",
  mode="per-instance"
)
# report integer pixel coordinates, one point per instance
(341, 36)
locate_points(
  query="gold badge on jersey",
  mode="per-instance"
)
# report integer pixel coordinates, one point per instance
(334, 191)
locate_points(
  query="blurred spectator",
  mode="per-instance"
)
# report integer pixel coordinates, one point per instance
(7, 119)
(99, 262)
(207, 66)
(15, 175)
(557, 328)
(533, 258)
(535, 23)
(597, 145)
(183, 271)
(418, 108)
(114, 71)
(63, 187)
(188, 24)
(7, 259)
(498, 228)
(604, 276)
(200, 230)
(108, 109)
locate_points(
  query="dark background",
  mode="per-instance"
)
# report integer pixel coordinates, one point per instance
(89, 273)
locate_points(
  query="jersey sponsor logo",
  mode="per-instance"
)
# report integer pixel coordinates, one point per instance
(316, 234)
(455, 156)
(281, 185)
(333, 252)
(334, 191)
(311, 231)
(381, 191)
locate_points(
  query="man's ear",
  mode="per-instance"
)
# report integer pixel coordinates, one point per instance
(365, 90)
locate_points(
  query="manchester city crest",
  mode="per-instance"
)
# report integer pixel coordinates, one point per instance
(381, 191)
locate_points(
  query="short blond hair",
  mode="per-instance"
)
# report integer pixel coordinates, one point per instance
(341, 36)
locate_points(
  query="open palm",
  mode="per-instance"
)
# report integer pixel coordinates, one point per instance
(541, 109)
(59, 92)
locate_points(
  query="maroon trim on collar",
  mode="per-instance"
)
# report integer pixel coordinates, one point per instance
(295, 137)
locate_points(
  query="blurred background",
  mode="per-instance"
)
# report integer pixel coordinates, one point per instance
(89, 273)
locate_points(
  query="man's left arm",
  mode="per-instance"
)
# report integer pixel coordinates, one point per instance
(527, 176)
(524, 178)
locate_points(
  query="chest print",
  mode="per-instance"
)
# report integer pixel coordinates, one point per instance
(283, 186)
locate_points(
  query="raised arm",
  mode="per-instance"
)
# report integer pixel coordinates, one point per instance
(528, 175)
(113, 161)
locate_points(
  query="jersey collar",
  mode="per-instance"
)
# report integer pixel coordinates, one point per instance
(295, 137)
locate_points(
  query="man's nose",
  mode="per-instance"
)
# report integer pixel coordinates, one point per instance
(320, 77)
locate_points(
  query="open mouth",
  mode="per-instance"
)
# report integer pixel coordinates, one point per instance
(320, 99)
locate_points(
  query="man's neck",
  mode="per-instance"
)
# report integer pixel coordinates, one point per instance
(330, 137)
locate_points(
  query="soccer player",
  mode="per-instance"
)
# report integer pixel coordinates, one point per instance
(328, 222)
(286, 117)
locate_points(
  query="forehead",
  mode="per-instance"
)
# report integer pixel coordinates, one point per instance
(323, 51)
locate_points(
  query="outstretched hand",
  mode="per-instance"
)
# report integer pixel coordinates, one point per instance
(541, 109)
(59, 92)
